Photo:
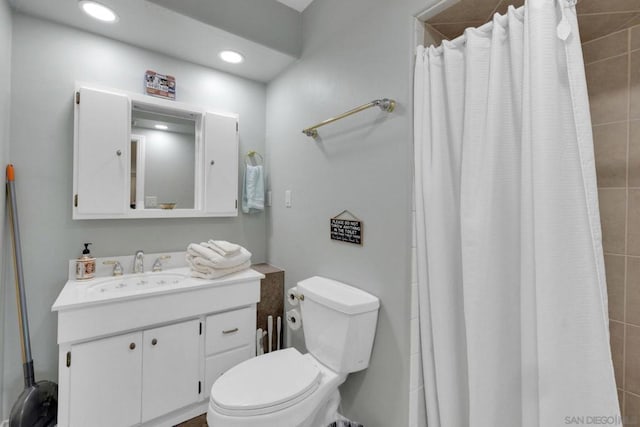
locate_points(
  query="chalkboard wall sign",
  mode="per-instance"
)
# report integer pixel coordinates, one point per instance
(346, 227)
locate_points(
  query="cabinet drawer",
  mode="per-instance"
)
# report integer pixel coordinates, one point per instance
(230, 330)
(220, 363)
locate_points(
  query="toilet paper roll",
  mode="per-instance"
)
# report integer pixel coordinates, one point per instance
(292, 296)
(294, 321)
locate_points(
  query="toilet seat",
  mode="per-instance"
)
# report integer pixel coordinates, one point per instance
(266, 384)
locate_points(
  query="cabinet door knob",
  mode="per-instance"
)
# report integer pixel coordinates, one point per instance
(132, 346)
(213, 162)
(154, 341)
(119, 152)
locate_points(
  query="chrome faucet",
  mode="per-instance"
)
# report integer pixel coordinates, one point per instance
(117, 267)
(138, 262)
(157, 265)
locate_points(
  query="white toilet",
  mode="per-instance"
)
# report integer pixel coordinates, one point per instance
(288, 389)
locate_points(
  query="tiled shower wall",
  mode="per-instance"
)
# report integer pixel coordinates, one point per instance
(613, 78)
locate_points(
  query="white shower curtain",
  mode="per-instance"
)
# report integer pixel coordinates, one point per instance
(512, 296)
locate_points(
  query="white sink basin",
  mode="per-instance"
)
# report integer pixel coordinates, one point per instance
(134, 282)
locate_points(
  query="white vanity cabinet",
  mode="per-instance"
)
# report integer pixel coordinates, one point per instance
(153, 372)
(149, 358)
(117, 133)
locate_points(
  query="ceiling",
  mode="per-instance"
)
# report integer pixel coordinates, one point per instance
(596, 18)
(298, 5)
(267, 32)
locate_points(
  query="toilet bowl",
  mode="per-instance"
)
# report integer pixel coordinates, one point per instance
(288, 389)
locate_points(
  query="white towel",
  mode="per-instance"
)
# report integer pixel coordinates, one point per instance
(253, 189)
(215, 273)
(206, 270)
(223, 247)
(213, 259)
(196, 249)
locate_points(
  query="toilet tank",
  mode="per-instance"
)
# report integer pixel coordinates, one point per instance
(339, 323)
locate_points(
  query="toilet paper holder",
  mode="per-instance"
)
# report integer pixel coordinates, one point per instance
(293, 296)
(294, 320)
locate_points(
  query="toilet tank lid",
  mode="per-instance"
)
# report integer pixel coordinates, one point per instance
(337, 295)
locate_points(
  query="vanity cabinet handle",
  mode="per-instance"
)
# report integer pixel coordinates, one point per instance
(154, 341)
(230, 331)
(119, 153)
(132, 346)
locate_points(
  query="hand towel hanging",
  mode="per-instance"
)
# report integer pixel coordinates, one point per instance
(253, 189)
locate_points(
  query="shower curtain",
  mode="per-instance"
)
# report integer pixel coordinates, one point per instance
(512, 295)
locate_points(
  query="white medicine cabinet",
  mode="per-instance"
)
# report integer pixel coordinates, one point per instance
(136, 156)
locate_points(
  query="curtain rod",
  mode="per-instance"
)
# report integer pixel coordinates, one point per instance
(488, 26)
(385, 104)
(484, 28)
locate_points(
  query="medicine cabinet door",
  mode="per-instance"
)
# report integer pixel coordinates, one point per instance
(221, 164)
(101, 152)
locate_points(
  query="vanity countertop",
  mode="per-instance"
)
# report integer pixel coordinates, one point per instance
(81, 293)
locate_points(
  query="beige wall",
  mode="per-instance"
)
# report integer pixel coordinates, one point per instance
(613, 77)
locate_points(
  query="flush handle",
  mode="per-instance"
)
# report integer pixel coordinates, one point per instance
(230, 331)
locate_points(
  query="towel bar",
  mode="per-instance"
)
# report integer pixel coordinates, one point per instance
(385, 104)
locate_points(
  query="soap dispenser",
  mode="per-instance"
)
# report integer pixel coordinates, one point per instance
(85, 265)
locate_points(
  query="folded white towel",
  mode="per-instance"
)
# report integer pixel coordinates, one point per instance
(196, 249)
(215, 273)
(213, 259)
(223, 247)
(195, 266)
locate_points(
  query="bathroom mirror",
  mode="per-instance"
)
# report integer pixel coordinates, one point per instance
(163, 160)
(141, 157)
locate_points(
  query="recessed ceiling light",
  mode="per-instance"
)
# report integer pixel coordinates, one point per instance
(231, 56)
(98, 11)
(161, 127)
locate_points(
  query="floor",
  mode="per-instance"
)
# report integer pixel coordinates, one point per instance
(200, 421)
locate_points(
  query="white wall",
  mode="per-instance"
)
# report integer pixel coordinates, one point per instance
(6, 22)
(353, 52)
(47, 60)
